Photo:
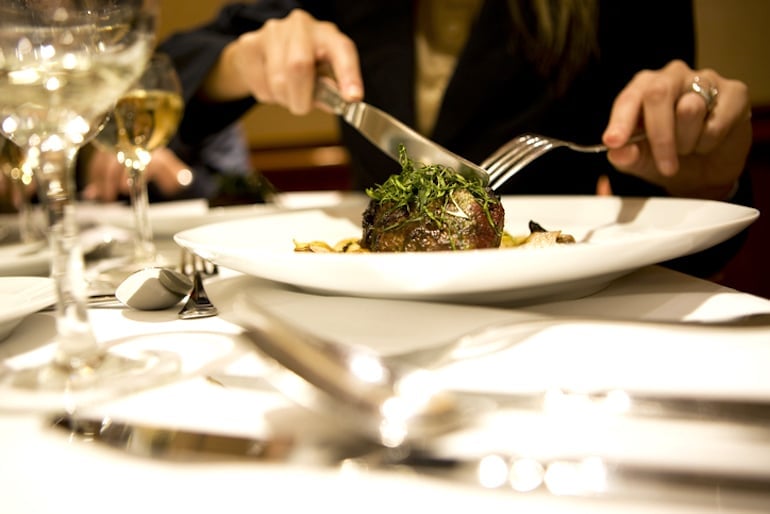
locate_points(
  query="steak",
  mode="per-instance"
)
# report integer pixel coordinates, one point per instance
(431, 208)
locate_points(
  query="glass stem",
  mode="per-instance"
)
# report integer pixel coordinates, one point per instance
(77, 349)
(144, 248)
(28, 231)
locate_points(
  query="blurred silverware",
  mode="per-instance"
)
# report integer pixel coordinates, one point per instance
(363, 387)
(168, 442)
(749, 413)
(198, 304)
(189, 263)
(384, 402)
(588, 476)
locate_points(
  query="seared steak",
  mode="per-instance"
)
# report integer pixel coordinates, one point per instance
(431, 208)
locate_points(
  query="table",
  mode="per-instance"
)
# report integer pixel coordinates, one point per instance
(44, 470)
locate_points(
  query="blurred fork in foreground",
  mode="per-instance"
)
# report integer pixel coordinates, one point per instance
(198, 304)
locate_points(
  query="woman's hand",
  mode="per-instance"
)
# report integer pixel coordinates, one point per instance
(107, 178)
(278, 63)
(690, 150)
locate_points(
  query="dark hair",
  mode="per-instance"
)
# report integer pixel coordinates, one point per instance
(557, 36)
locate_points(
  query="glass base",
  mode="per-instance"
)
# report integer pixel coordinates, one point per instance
(49, 387)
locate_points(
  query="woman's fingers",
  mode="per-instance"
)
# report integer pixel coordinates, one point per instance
(697, 125)
(168, 172)
(279, 62)
(650, 102)
(690, 115)
(104, 174)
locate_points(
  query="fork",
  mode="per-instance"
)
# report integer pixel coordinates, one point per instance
(198, 304)
(514, 155)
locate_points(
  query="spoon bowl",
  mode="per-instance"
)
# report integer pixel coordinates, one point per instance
(392, 404)
(153, 289)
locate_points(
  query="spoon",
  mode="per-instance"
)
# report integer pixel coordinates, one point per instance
(153, 289)
(390, 403)
(398, 404)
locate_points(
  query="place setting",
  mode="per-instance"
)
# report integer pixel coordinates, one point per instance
(322, 404)
(298, 345)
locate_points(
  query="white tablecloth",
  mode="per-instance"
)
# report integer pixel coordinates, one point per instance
(606, 341)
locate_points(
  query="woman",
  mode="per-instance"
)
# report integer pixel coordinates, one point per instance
(472, 74)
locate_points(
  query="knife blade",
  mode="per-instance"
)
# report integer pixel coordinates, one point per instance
(171, 443)
(388, 133)
(586, 476)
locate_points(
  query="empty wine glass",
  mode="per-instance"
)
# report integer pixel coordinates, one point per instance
(144, 119)
(63, 65)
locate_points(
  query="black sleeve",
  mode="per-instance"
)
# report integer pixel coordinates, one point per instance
(197, 50)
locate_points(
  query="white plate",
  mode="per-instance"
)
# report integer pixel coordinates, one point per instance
(168, 218)
(34, 259)
(21, 296)
(615, 236)
(25, 259)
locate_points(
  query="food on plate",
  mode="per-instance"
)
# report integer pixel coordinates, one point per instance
(538, 237)
(431, 208)
(348, 245)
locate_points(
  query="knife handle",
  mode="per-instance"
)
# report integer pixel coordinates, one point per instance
(328, 96)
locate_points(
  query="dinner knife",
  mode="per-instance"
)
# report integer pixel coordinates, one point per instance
(589, 476)
(388, 133)
(586, 476)
(146, 440)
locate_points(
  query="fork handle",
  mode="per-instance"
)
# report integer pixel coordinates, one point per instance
(635, 138)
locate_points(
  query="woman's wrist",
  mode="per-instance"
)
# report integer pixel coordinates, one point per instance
(224, 83)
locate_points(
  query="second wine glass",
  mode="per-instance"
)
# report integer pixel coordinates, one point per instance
(144, 119)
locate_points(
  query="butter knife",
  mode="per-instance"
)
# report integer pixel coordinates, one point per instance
(388, 133)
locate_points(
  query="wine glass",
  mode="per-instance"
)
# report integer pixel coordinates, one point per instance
(19, 178)
(144, 119)
(63, 65)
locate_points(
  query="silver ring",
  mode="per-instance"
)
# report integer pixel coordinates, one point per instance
(706, 90)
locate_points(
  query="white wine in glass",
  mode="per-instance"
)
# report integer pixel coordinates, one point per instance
(63, 65)
(144, 119)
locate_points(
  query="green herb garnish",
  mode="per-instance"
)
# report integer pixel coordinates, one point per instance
(420, 187)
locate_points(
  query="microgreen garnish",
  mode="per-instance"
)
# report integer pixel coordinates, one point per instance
(420, 187)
